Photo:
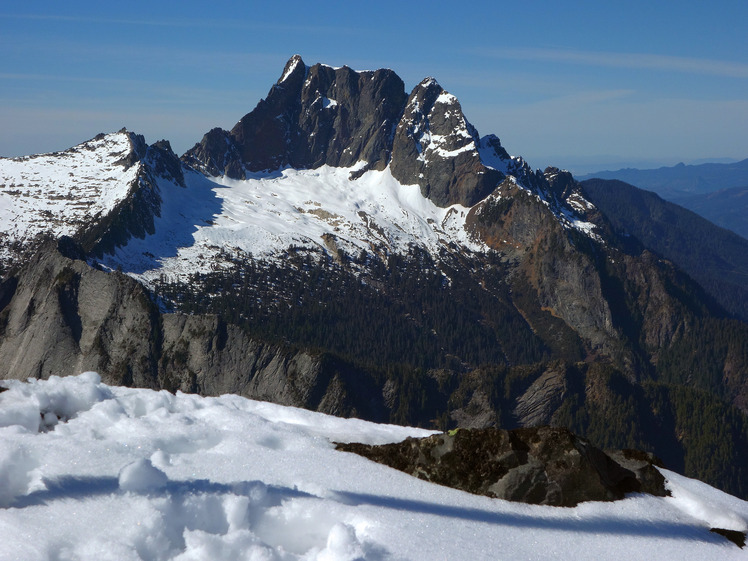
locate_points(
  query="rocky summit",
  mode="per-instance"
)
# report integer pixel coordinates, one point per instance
(359, 250)
(320, 115)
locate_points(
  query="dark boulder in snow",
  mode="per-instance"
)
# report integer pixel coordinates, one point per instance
(736, 537)
(539, 465)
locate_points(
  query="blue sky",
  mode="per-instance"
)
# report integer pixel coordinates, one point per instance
(574, 84)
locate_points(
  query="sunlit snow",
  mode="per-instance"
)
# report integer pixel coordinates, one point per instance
(268, 213)
(89, 471)
(320, 211)
(63, 190)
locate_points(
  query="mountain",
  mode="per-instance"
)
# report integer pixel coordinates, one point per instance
(711, 190)
(354, 249)
(713, 256)
(320, 115)
(727, 208)
(102, 472)
(102, 192)
(681, 180)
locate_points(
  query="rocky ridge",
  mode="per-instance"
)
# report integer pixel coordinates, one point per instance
(320, 115)
(101, 192)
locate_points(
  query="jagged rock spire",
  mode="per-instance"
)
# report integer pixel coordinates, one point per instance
(437, 148)
(320, 115)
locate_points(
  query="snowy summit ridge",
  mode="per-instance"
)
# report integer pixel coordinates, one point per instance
(332, 160)
(99, 192)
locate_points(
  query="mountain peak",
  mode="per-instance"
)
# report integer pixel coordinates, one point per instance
(429, 83)
(313, 116)
(322, 115)
(437, 148)
(294, 65)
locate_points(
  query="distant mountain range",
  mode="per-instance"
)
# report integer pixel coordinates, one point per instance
(356, 249)
(715, 257)
(718, 192)
(727, 207)
(681, 180)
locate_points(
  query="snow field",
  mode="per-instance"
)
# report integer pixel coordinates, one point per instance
(262, 216)
(62, 191)
(132, 474)
(268, 213)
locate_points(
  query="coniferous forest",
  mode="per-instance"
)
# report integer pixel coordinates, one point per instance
(450, 346)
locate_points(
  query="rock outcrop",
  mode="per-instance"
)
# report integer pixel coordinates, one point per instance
(436, 148)
(541, 465)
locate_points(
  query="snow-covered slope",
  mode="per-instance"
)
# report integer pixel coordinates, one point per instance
(59, 193)
(89, 471)
(318, 210)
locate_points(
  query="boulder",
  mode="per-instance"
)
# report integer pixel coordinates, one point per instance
(538, 465)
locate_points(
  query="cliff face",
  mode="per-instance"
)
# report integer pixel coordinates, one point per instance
(311, 117)
(62, 317)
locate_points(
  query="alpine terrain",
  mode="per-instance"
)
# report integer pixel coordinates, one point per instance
(355, 249)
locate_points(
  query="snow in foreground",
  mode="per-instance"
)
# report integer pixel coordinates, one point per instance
(89, 471)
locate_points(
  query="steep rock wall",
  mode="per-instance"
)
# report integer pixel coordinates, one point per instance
(61, 317)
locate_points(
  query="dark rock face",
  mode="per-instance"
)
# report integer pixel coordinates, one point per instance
(61, 317)
(560, 182)
(437, 148)
(347, 117)
(541, 465)
(564, 280)
(216, 154)
(320, 115)
(311, 117)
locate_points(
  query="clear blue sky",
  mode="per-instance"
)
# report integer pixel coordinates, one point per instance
(571, 84)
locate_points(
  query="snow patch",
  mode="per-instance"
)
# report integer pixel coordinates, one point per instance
(446, 99)
(17, 467)
(328, 103)
(37, 405)
(141, 476)
(290, 69)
